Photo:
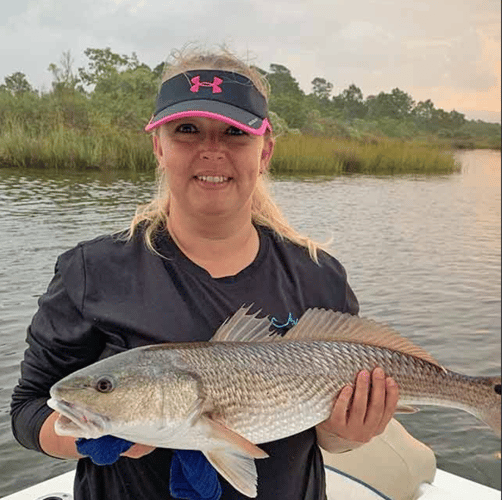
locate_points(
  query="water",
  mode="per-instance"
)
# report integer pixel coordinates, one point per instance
(422, 253)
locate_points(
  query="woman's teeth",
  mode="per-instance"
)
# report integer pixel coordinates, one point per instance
(212, 178)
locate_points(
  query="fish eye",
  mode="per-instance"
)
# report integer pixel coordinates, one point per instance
(105, 384)
(497, 389)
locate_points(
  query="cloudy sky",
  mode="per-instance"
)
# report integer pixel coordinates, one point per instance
(445, 50)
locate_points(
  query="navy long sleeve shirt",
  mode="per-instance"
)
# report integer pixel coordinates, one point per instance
(109, 295)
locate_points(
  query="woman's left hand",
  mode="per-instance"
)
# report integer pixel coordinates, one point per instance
(363, 412)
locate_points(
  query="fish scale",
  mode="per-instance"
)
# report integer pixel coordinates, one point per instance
(291, 385)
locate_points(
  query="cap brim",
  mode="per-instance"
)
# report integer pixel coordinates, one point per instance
(211, 109)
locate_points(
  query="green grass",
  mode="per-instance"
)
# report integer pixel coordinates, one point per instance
(315, 155)
(73, 149)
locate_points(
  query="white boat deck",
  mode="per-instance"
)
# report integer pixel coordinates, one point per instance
(446, 486)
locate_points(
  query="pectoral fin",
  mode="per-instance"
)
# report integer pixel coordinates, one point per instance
(238, 470)
(233, 458)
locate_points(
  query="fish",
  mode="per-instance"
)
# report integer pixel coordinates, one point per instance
(249, 385)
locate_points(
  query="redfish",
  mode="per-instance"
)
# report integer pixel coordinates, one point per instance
(249, 386)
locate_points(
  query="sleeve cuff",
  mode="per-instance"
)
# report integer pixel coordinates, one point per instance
(26, 424)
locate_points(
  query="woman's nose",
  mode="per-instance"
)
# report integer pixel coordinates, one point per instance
(212, 146)
(212, 155)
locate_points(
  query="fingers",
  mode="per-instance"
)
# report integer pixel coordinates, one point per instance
(359, 405)
(340, 410)
(391, 400)
(377, 401)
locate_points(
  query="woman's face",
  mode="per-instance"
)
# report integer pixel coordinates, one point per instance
(211, 167)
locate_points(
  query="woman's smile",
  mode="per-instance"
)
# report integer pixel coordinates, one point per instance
(213, 180)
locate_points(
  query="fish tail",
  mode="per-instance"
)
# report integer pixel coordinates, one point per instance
(489, 409)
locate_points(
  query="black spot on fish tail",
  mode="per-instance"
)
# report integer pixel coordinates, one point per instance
(497, 388)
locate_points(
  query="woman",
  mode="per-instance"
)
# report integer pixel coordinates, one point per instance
(211, 241)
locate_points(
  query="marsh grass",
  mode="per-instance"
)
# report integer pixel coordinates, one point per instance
(66, 148)
(315, 155)
(305, 155)
(106, 147)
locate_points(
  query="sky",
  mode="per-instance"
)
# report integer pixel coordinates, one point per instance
(444, 50)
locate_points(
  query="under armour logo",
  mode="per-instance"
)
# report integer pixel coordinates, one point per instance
(197, 84)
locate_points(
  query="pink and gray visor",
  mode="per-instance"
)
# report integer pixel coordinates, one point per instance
(222, 95)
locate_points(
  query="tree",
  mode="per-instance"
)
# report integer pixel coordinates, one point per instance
(457, 120)
(126, 98)
(158, 71)
(16, 84)
(402, 103)
(68, 103)
(351, 103)
(318, 125)
(397, 105)
(352, 94)
(103, 63)
(289, 108)
(282, 82)
(64, 78)
(286, 99)
(429, 118)
(279, 69)
(423, 112)
(321, 88)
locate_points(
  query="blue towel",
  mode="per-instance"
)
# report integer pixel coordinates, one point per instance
(104, 450)
(192, 476)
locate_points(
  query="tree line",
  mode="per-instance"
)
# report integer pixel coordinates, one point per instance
(118, 91)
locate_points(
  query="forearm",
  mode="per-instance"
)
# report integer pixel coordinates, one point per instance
(54, 445)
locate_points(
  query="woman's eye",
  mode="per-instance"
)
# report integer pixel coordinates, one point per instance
(187, 128)
(235, 131)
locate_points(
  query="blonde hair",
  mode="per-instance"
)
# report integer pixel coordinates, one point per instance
(153, 216)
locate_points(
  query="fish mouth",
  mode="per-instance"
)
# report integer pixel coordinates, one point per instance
(76, 421)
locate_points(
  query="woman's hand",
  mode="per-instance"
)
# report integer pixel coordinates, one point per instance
(363, 412)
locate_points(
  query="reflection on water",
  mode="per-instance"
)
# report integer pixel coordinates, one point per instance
(422, 253)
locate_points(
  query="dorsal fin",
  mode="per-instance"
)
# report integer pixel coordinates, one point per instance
(243, 327)
(321, 324)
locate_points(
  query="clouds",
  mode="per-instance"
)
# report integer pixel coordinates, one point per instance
(420, 46)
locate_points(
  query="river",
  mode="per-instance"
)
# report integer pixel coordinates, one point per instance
(422, 254)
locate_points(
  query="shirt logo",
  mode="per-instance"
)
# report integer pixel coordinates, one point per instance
(290, 322)
(197, 84)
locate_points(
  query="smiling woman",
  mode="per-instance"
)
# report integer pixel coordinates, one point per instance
(237, 98)
(212, 170)
(211, 241)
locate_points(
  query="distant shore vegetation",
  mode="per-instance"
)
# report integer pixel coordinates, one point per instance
(93, 118)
